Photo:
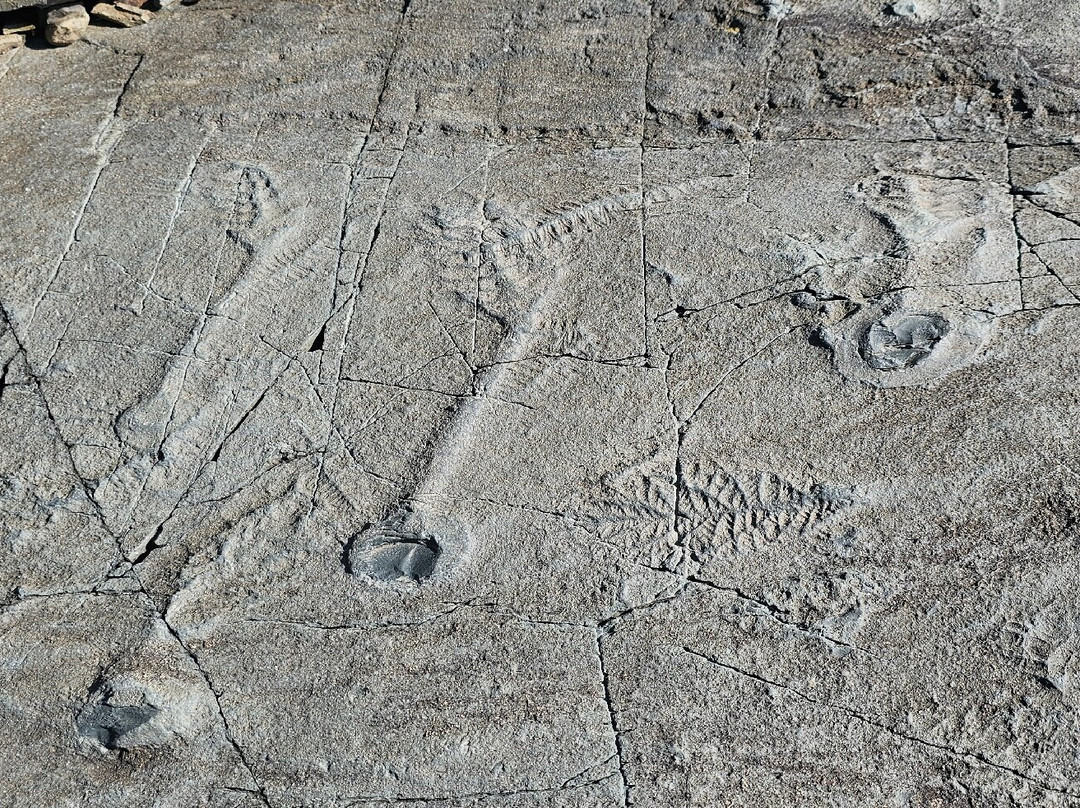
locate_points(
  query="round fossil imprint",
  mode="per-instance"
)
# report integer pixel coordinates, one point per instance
(390, 551)
(902, 341)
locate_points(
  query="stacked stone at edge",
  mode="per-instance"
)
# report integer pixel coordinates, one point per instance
(9, 42)
(64, 24)
(125, 15)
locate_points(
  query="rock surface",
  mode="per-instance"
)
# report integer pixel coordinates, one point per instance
(579, 403)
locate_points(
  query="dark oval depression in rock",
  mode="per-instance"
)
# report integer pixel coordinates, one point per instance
(108, 724)
(392, 552)
(898, 343)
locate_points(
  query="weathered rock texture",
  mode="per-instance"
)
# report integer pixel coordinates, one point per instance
(576, 403)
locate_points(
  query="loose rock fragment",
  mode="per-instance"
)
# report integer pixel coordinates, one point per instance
(915, 9)
(66, 25)
(25, 28)
(9, 42)
(122, 14)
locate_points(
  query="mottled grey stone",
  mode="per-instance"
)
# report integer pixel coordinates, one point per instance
(607, 403)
